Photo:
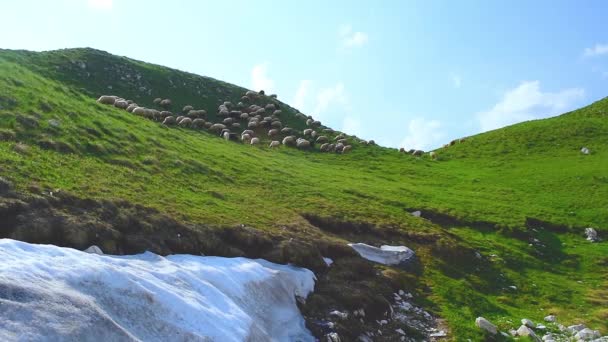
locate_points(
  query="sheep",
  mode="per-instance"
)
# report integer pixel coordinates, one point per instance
(179, 118)
(236, 125)
(240, 105)
(157, 101)
(224, 113)
(302, 143)
(252, 124)
(166, 103)
(331, 147)
(340, 136)
(244, 99)
(322, 139)
(251, 94)
(248, 131)
(261, 111)
(270, 107)
(122, 104)
(307, 131)
(208, 124)
(107, 99)
(185, 122)
(154, 114)
(187, 109)
(363, 142)
(197, 113)
(418, 153)
(276, 124)
(228, 104)
(244, 116)
(262, 92)
(433, 155)
(217, 127)
(286, 130)
(309, 122)
(139, 111)
(313, 134)
(453, 142)
(339, 147)
(198, 123)
(245, 137)
(411, 151)
(316, 124)
(324, 147)
(277, 112)
(228, 121)
(273, 132)
(169, 120)
(274, 96)
(165, 113)
(401, 150)
(235, 113)
(255, 141)
(461, 140)
(222, 107)
(347, 149)
(224, 131)
(274, 143)
(342, 141)
(131, 107)
(371, 142)
(289, 140)
(226, 135)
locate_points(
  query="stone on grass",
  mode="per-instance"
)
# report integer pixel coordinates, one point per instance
(485, 325)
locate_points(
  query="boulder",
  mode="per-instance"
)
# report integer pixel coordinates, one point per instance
(486, 326)
(584, 150)
(587, 334)
(94, 250)
(550, 318)
(528, 323)
(527, 331)
(591, 234)
(386, 255)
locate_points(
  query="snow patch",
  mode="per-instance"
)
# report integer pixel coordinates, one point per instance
(55, 293)
(386, 255)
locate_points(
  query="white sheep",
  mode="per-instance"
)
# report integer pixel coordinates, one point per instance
(274, 143)
(107, 99)
(169, 120)
(255, 141)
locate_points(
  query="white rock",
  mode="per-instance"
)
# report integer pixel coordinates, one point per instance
(526, 331)
(416, 213)
(94, 250)
(386, 255)
(587, 334)
(339, 314)
(484, 324)
(541, 327)
(528, 323)
(440, 333)
(550, 318)
(513, 287)
(333, 337)
(400, 331)
(573, 329)
(584, 150)
(328, 261)
(591, 234)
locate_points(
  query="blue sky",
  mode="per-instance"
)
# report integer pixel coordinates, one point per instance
(405, 73)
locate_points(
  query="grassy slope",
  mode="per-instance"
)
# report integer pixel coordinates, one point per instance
(531, 169)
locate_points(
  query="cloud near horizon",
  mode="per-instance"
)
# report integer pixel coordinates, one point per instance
(527, 102)
(260, 79)
(423, 134)
(351, 39)
(597, 50)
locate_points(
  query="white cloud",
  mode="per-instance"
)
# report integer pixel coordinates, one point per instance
(527, 102)
(105, 5)
(259, 79)
(597, 50)
(456, 80)
(423, 134)
(350, 39)
(301, 93)
(327, 96)
(351, 126)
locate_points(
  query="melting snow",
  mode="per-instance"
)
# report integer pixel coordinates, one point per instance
(387, 255)
(55, 293)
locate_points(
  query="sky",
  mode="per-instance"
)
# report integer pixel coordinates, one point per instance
(413, 74)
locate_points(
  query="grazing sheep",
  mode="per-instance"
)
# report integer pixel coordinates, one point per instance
(217, 127)
(273, 132)
(157, 101)
(165, 113)
(340, 136)
(245, 137)
(342, 141)
(461, 140)
(316, 123)
(244, 116)
(277, 112)
(252, 124)
(371, 142)
(339, 147)
(274, 143)
(276, 124)
(331, 148)
(122, 104)
(166, 103)
(270, 107)
(224, 113)
(453, 142)
(154, 114)
(179, 118)
(302, 143)
(187, 109)
(411, 151)
(228, 104)
(309, 122)
(289, 140)
(226, 135)
(248, 131)
(286, 130)
(198, 123)
(433, 155)
(222, 107)
(185, 122)
(255, 141)
(363, 142)
(208, 124)
(261, 111)
(235, 113)
(322, 139)
(169, 120)
(251, 93)
(418, 153)
(141, 111)
(347, 149)
(313, 134)
(324, 147)
(131, 107)
(307, 131)
(107, 99)
(224, 131)
(236, 125)
(228, 121)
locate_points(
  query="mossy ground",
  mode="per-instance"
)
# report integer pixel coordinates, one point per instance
(488, 184)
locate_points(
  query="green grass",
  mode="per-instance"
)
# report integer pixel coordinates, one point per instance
(533, 169)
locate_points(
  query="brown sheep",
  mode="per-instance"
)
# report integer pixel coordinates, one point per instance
(302, 143)
(107, 99)
(255, 141)
(274, 143)
(169, 120)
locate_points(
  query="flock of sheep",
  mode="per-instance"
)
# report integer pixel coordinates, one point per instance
(253, 121)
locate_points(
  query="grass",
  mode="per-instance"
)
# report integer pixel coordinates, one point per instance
(499, 178)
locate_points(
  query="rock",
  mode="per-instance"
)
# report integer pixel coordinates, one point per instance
(526, 331)
(400, 331)
(386, 255)
(584, 150)
(333, 337)
(528, 323)
(416, 213)
(328, 261)
(587, 334)
(485, 325)
(94, 250)
(339, 314)
(550, 318)
(591, 234)
(440, 333)
(573, 329)
(5, 185)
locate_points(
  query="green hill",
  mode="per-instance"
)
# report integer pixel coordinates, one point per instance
(503, 208)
